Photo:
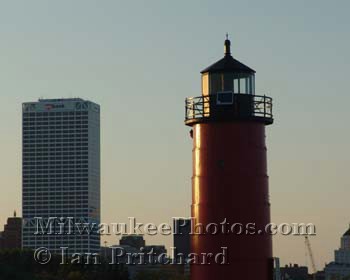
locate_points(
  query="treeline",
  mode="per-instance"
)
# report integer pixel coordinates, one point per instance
(20, 265)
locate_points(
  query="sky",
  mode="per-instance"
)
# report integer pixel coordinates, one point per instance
(140, 59)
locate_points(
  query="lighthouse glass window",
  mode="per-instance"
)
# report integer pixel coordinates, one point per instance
(243, 83)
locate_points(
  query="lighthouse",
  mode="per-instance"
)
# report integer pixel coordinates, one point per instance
(230, 179)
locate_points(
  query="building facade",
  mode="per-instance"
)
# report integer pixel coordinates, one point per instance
(61, 174)
(340, 268)
(182, 237)
(294, 272)
(133, 240)
(11, 237)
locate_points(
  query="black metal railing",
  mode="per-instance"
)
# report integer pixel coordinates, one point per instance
(204, 108)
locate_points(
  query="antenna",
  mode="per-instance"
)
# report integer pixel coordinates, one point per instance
(105, 249)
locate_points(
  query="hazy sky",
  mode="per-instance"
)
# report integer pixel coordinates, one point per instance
(139, 60)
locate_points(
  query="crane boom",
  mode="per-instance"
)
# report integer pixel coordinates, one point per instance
(308, 245)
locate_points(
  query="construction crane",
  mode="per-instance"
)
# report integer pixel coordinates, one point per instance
(308, 247)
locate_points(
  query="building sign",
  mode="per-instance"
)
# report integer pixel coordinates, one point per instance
(53, 106)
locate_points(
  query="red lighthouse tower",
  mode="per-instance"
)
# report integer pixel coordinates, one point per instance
(230, 181)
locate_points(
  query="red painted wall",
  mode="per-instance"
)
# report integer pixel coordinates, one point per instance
(230, 182)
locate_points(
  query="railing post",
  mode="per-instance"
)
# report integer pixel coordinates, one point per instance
(271, 107)
(194, 109)
(264, 105)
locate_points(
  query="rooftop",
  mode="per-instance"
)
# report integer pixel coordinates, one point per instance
(347, 233)
(60, 99)
(228, 63)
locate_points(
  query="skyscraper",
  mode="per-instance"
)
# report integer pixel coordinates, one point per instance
(61, 171)
(340, 267)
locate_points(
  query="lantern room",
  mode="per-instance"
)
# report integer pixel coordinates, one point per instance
(228, 94)
(228, 75)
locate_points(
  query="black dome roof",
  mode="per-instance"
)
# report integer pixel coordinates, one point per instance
(228, 63)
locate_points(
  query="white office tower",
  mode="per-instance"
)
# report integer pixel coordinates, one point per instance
(61, 175)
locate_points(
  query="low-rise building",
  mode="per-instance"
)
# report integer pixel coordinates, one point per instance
(294, 272)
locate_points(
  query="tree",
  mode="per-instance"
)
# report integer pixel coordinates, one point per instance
(75, 275)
